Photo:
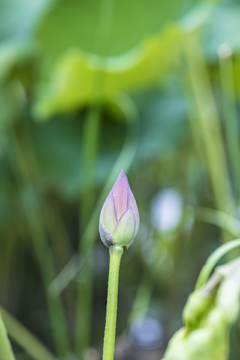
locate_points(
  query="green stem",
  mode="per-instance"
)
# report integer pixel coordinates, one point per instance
(84, 303)
(87, 199)
(5, 347)
(9, 252)
(111, 318)
(208, 124)
(229, 111)
(50, 216)
(90, 150)
(213, 260)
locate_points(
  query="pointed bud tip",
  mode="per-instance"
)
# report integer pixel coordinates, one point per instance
(122, 173)
(119, 218)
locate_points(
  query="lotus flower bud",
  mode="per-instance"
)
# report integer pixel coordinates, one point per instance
(119, 218)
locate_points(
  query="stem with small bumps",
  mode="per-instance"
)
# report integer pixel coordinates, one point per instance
(115, 252)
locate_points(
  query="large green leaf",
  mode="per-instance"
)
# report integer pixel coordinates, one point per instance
(77, 23)
(80, 77)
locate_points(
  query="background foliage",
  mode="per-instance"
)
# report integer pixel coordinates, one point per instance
(88, 88)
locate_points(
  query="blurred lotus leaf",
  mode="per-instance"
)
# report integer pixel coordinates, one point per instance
(81, 77)
(86, 24)
(16, 35)
(208, 315)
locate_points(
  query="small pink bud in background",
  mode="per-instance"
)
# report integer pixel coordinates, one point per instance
(119, 218)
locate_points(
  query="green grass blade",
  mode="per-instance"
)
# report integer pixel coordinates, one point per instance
(25, 338)
(5, 347)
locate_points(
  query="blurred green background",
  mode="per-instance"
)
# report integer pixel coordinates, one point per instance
(88, 88)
